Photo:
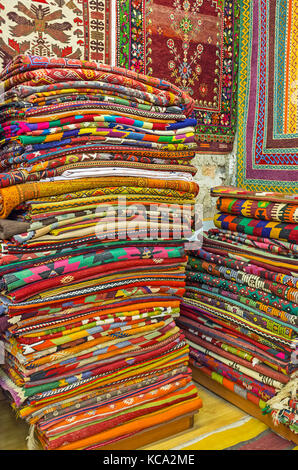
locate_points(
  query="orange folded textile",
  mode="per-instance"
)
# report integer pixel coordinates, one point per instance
(138, 425)
(12, 196)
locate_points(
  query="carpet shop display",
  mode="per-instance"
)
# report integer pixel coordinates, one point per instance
(193, 44)
(267, 139)
(94, 162)
(240, 309)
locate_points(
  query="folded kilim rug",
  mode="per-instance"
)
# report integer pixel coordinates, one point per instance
(194, 45)
(267, 103)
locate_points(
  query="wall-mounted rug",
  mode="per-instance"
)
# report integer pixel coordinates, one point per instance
(77, 29)
(194, 45)
(267, 155)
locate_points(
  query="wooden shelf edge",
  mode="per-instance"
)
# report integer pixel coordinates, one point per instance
(245, 405)
(154, 434)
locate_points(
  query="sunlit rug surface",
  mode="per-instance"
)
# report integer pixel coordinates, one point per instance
(245, 434)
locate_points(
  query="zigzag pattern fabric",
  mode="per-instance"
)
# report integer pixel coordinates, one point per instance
(240, 309)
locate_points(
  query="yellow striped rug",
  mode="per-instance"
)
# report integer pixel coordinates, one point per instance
(246, 434)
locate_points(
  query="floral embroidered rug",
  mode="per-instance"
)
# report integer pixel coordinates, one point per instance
(267, 154)
(194, 45)
(76, 29)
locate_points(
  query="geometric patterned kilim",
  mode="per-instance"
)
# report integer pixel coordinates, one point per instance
(267, 154)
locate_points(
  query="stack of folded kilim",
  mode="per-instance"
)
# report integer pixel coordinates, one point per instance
(92, 266)
(240, 310)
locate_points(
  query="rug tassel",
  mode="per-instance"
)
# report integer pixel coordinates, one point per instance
(287, 392)
(14, 320)
(32, 443)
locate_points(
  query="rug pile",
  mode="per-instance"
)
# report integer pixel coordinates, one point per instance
(95, 161)
(239, 312)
